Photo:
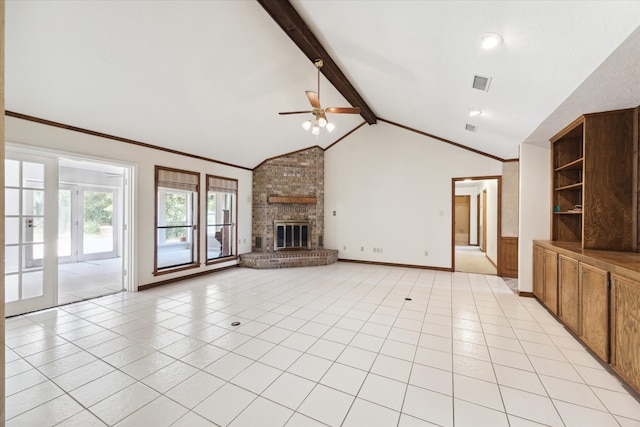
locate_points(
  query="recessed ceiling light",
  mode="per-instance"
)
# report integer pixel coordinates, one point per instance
(491, 40)
(474, 113)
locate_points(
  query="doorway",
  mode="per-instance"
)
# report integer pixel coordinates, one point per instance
(475, 247)
(66, 219)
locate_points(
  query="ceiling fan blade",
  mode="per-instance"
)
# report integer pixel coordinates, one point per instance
(343, 110)
(294, 112)
(314, 99)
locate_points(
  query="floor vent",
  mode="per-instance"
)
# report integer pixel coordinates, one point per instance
(481, 83)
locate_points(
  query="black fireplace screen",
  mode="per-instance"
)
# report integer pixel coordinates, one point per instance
(291, 235)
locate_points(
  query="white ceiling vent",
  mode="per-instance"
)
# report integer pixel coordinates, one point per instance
(481, 83)
(470, 128)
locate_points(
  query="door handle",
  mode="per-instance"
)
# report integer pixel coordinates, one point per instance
(29, 222)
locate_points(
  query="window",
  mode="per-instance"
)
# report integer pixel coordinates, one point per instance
(177, 195)
(221, 216)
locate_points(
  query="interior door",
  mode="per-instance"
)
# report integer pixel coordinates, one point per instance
(462, 219)
(30, 232)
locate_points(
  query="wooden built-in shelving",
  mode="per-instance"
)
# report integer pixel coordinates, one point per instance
(592, 168)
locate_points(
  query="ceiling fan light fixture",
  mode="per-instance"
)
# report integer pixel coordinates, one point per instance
(315, 130)
(491, 40)
(330, 127)
(322, 122)
(306, 125)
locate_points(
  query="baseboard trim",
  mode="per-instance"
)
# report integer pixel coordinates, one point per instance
(179, 279)
(390, 264)
(526, 294)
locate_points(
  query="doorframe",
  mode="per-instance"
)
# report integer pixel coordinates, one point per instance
(453, 208)
(483, 246)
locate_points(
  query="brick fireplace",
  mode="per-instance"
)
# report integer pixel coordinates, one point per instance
(289, 188)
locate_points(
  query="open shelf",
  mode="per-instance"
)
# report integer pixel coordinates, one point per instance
(567, 213)
(574, 165)
(576, 186)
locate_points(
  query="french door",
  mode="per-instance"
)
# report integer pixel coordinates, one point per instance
(30, 232)
(87, 223)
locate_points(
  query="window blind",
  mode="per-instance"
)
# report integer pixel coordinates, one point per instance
(222, 185)
(178, 180)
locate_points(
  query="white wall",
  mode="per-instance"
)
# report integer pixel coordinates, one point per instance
(535, 207)
(391, 190)
(145, 159)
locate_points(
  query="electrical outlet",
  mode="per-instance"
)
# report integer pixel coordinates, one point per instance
(426, 253)
(344, 248)
(361, 248)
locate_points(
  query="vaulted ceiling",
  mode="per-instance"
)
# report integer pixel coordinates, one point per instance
(209, 77)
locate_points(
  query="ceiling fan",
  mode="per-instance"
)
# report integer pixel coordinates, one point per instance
(318, 112)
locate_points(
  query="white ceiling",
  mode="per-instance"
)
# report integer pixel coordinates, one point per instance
(209, 77)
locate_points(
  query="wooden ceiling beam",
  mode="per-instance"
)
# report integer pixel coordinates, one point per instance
(285, 15)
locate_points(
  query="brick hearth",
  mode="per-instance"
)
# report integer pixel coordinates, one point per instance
(284, 259)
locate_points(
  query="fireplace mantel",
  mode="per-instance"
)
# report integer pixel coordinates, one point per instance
(293, 200)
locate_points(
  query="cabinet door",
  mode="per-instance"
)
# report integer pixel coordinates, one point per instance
(568, 292)
(625, 334)
(538, 272)
(594, 309)
(551, 280)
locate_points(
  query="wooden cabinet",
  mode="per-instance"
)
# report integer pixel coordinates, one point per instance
(594, 181)
(594, 309)
(569, 291)
(625, 329)
(545, 277)
(598, 299)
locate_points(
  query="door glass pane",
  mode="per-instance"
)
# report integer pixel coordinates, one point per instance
(32, 284)
(33, 255)
(11, 201)
(64, 223)
(12, 255)
(98, 222)
(12, 230)
(32, 175)
(11, 288)
(11, 173)
(33, 202)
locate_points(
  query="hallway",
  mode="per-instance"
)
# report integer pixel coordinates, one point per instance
(470, 259)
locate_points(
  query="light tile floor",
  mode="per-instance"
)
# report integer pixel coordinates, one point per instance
(335, 345)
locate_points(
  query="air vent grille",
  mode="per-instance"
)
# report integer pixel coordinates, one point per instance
(481, 83)
(470, 128)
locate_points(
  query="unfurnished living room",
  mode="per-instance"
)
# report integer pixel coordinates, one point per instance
(320, 213)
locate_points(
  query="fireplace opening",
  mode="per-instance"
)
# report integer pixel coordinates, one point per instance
(291, 235)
